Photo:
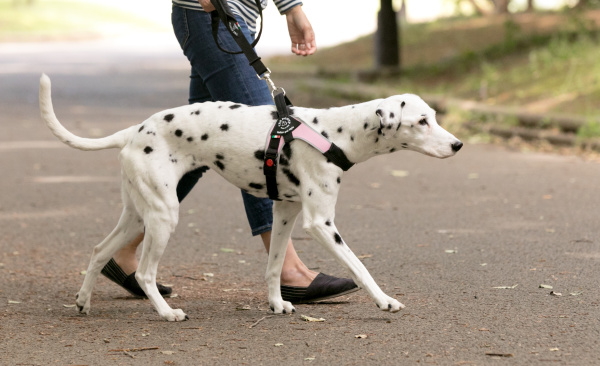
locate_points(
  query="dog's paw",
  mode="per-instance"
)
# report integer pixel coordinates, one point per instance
(82, 305)
(175, 315)
(391, 305)
(282, 307)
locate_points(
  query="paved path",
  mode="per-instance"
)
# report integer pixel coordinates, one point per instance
(440, 235)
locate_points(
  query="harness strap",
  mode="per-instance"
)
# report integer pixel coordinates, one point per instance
(288, 128)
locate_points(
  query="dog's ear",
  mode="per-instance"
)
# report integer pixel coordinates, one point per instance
(390, 117)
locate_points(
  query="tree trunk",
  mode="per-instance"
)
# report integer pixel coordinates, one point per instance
(501, 6)
(386, 38)
(530, 6)
(478, 9)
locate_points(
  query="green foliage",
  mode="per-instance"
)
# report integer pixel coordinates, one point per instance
(589, 130)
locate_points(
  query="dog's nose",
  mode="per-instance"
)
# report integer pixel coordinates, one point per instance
(456, 146)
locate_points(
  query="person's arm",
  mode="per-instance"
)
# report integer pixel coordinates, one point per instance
(301, 32)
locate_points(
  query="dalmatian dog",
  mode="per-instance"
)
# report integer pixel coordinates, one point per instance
(230, 139)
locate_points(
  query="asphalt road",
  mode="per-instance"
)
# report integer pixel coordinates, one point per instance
(464, 243)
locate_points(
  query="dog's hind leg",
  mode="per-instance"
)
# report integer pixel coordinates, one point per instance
(160, 224)
(284, 218)
(318, 222)
(129, 226)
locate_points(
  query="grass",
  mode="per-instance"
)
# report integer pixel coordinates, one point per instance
(541, 63)
(23, 20)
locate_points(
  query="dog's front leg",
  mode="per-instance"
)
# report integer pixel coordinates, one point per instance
(284, 218)
(318, 222)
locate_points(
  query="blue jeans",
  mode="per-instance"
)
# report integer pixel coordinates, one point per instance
(218, 76)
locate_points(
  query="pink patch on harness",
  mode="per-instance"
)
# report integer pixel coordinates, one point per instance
(312, 137)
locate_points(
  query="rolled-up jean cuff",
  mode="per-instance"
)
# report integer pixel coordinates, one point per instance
(260, 230)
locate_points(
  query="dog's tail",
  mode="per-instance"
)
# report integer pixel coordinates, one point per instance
(116, 140)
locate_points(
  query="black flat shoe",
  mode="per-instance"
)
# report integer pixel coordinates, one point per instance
(113, 272)
(323, 287)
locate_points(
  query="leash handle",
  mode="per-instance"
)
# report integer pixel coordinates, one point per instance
(223, 13)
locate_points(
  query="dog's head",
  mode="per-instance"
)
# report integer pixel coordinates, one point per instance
(411, 122)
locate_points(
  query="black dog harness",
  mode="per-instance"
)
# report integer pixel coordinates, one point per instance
(287, 128)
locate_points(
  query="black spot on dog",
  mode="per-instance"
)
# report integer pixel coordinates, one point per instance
(339, 130)
(151, 133)
(402, 104)
(148, 149)
(141, 128)
(219, 164)
(404, 145)
(169, 117)
(315, 121)
(204, 137)
(338, 238)
(389, 127)
(325, 134)
(291, 177)
(224, 127)
(178, 133)
(174, 161)
(220, 157)
(379, 131)
(339, 180)
(328, 222)
(256, 185)
(259, 154)
(235, 106)
(365, 126)
(309, 192)
(392, 115)
(196, 112)
(351, 138)
(284, 222)
(378, 112)
(190, 139)
(376, 139)
(392, 149)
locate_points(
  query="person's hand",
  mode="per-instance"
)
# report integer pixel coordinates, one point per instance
(207, 5)
(301, 32)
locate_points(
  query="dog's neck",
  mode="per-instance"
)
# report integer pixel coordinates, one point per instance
(356, 130)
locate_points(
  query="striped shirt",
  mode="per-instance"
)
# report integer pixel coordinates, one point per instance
(246, 9)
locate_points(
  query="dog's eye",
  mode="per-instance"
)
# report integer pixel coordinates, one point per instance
(424, 122)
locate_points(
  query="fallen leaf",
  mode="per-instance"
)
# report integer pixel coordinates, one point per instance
(278, 344)
(360, 336)
(399, 173)
(546, 287)
(13, 302)
(245, 307)
(309, 359)
(68, 306)
(227, 250)
(167, 352)
(311, 319)
(506, 287)
(451, 251)
(576, 293)
(83, 273)
(555, 293)
(496, 354)
(554, 349)
(364, 256)
(208, 274)
(547, 196)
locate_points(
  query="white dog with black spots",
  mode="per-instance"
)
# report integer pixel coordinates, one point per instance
(230, 139)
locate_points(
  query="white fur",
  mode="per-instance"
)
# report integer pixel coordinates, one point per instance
(228, 138)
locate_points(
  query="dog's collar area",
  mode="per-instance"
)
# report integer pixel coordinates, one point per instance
(288, 128)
